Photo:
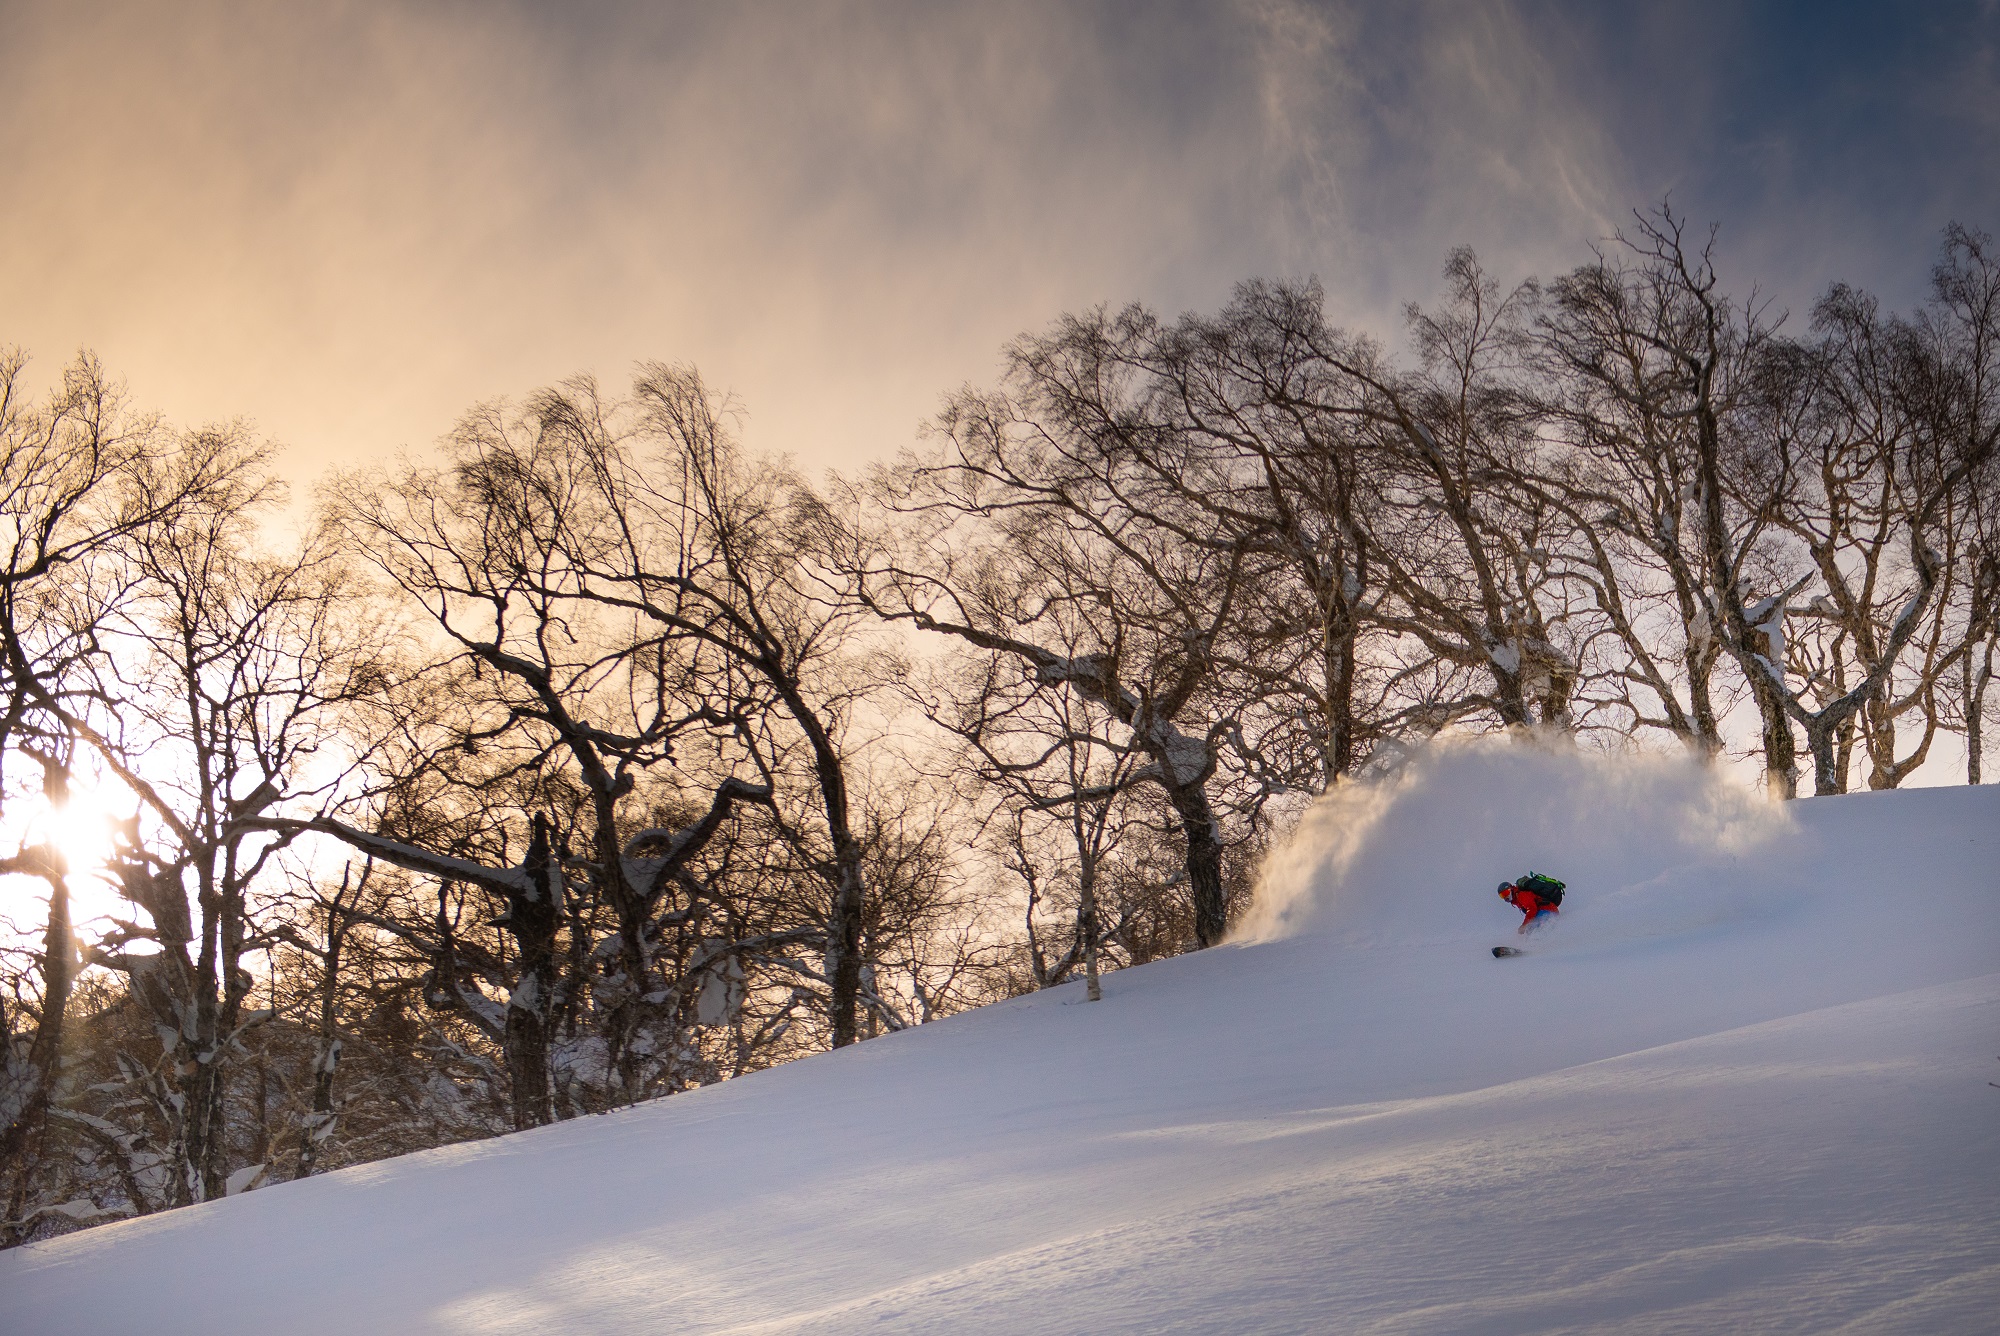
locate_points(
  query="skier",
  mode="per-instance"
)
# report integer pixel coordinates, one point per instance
(1536, 896)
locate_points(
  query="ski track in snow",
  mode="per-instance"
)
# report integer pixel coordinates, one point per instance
(1742, 1085)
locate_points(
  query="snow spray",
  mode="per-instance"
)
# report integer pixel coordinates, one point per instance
(1412, 855)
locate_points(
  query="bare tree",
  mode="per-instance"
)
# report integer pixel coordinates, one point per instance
(540, 710)
(714, 552)
(237, 667)
(1021, 540)
(617, 583)
(1741, 393)
(29, 1061)
(321, 1118)
(1618, 396)
(1455, 545)
(1059, 800)
(1947, 381)
(1240, 430)
(85, 484)
(1857, 460)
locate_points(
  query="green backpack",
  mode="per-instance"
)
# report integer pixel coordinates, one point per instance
(1548, 888)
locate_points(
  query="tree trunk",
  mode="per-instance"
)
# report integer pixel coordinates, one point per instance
(534, 920)
(843, 956)
(318, 1123)
(1204, 861)
(1511, 700)
(1781, 757)
(1086, 926)
(843, 930)
(1699, 660)
(201, 1061)
(1339, 660)
(201, 1090)
(24, 1098)
(1975, 708)
(1827, 771)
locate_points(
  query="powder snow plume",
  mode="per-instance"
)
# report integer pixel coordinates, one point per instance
(1647, 844)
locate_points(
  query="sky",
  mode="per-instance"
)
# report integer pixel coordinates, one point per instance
(348, 223)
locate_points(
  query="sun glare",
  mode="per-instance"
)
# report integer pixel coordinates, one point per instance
(82, 828)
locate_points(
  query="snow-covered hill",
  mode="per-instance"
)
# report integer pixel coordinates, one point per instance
(1742, 1085)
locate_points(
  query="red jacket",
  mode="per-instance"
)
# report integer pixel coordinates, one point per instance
(1527, 902)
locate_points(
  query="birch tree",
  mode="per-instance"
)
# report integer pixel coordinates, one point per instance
(1022, 540)
(230, 671)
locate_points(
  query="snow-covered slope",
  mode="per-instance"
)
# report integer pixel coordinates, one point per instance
(1742, 1085)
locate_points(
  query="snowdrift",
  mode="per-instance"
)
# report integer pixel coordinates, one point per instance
(1741, 1085)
